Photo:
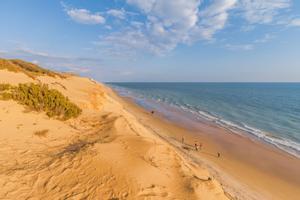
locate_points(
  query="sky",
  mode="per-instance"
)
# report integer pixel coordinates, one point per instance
(157, 40)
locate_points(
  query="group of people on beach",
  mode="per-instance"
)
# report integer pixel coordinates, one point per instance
(198, 146)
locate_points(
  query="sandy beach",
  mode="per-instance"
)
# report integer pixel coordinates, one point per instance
(150, 100)
(105, 153)
(247, 169)
(118, 150)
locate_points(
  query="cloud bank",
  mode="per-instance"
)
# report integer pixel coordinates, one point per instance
(161, 25)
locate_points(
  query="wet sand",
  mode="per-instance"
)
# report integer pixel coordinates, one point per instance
(247, 169)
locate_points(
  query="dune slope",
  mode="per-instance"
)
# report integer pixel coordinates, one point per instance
(105, 153)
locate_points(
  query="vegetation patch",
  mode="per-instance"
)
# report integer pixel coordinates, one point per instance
(30, 69)
(39, 97)
(42, 133)
(4, 87)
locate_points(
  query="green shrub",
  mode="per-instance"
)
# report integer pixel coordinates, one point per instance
(39, 97)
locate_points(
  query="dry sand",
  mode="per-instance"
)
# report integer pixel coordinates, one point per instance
(106, 153)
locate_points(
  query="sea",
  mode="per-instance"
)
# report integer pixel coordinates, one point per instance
(266, 111)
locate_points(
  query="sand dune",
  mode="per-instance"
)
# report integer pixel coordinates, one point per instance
(105, 153)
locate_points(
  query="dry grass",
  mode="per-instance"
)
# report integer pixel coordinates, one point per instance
(42, 133)
(27, 68)
(4, 87)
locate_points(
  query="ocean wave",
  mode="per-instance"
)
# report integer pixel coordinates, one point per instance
(284, 144)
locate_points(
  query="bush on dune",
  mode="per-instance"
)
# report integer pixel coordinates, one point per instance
(39, 97)
(30, 69)
(42, 133)
(4, 87)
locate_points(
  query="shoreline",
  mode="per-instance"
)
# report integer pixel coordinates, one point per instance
(172, 111)
(116, 149)
(241, 159)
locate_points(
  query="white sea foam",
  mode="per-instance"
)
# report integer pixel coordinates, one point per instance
(284, 144)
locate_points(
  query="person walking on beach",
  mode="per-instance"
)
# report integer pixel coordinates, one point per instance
(219, 155)
(196, 146)
(200, 145)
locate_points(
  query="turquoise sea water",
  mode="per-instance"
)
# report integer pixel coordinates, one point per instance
(269, 111)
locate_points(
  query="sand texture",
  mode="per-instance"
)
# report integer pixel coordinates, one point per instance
(105, 153)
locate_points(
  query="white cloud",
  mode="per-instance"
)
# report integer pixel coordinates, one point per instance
(266, 38)
(126, 73)
(168, 18)
(121, 14)
(213, 18)
(238, 47)
(72, 68)
(295, 22)
(129, 42)
(35, 62)
(32, 52)
(262, 11)
(250, 46)
(169, 23)
(137, 24)
(84, 16)
(145, 5)
(108, 27)
(164, 24)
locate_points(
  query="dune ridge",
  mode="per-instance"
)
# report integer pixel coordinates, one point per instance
(105, 153)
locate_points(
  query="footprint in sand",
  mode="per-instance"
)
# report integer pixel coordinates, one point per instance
(153, 190)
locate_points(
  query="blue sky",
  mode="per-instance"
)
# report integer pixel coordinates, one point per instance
(157, 40)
